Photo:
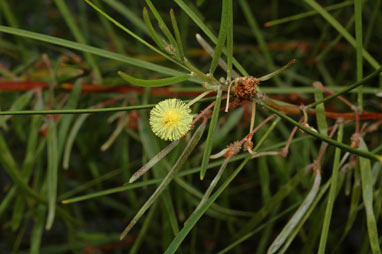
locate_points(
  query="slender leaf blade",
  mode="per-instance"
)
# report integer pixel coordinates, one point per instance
(171, 174)
(222, 37)
(367, 195)
(329, 18)
(198, 214)
(52, 175)
(211, 133)
(90, 49)
(332, 194)
(153, 83)
(297, 217)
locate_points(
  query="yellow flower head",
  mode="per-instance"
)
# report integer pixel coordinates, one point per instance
(171, 119)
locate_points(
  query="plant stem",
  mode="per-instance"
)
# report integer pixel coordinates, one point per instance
(322, 137)
(347, 89)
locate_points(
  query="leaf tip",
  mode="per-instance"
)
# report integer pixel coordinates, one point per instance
(132, 179)
(124, 233)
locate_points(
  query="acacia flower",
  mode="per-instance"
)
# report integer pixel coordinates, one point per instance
(171, 119)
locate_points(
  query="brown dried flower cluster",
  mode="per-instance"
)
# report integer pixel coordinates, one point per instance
(244, 87)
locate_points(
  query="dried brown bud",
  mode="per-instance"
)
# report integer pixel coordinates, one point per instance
(248, 145)
(233, 149)
(307, 126)
(355, 139)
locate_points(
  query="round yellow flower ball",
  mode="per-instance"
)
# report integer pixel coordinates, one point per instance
(171, 119)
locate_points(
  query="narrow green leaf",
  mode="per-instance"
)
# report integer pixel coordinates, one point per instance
(217, 210)
(18, 239)
(332, 194)
(277, 72)
(153, 83)
(229, 40)
(70, 140)
(171, 174)
(162, 25)
(224, 23)
(372, 20)
(77, 111)
(177, 35)
(88, 110)
(307, 215)
(258, 229)
(273, 202)
(297, 216)
(92, 50)
(213, 184)
(207, 47)
(112, 191)
(266, 134)
(211, 133)
(354, 204)
(52, 172)
(207, 31)
(323, 53)
(307, 14)
(193, 219)
(151, 147)
(10, 167)
(359, 47)
(197, 20)
(38, 229)
(196, 216)
(121, 125)
(136, 185)
(143, 232)
(66, 120)
(20, 103)
(154, 160)
(8, 14)
(18, 212)
(5, 202)
(367, 195)
(12, 21)
(94, 182)
(32, 144)
(135, 36)
(330, 19)
(157, 39)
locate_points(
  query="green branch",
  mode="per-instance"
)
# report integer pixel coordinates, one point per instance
(347, 89)
(74, 111)
(85, 111)
(322, 137)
